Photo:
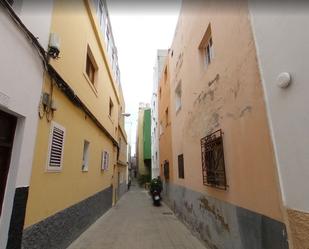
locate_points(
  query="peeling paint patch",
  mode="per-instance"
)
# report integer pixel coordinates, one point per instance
(235, 90)
(211, 92)
(245, 110)
(204, 204)
(242, 113)
(214, 80)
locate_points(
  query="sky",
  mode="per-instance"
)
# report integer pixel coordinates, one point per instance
(139, 30)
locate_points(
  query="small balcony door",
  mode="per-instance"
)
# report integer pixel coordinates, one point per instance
(7, 131)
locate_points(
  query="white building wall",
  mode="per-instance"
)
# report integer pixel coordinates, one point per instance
(155, 163)
(21, 78)
(282, 41)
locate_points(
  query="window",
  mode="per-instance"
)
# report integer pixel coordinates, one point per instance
(166, 169)
(181, 172)
(209, 53)
(166, 117)
(85, 156)
(178, 93)
(213, 160)
(104, 160)
(206, 46)
(91, 67)
(111, 107)
(101, 14)
(56, 147)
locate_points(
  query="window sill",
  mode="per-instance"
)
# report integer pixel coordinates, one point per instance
(93, 88)
(53, 170)
(85, 170)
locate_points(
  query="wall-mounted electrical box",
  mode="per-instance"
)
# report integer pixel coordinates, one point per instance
(45, 99)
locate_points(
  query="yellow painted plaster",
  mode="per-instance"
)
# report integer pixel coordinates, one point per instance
(76, 25)
(51, 192)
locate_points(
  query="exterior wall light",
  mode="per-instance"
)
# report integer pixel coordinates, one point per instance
(126, 114)
(284, 80)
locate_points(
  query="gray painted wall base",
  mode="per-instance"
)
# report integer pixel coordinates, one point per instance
(60, 230)
(17, 218)
(221, 225)
(122, 189)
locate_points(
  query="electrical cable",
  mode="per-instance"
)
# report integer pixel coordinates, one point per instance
(61, 84)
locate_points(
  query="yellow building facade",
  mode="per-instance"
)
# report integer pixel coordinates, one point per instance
(80, 155)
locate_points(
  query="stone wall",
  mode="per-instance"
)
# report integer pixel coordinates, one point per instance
(299, 225)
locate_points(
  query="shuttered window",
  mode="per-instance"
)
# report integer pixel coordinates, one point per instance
(56, 146)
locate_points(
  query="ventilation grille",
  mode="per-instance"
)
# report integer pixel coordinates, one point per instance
(56, 147)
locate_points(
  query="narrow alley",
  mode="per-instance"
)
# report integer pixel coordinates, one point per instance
(134, 223)
(199, 105)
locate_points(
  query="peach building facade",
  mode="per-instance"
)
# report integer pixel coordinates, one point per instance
(223, 179)
(165, 124)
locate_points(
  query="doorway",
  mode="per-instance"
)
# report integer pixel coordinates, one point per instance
(7, 132)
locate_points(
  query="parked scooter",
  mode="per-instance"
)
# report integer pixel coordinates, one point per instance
(156, 197)
(155, 191)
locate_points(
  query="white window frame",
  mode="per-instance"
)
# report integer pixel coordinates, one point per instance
(209, 52)
(178, 97)
(104, 160)
(54, 168)
(85, 159)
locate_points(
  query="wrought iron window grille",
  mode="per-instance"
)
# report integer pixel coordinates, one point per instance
(213, 165)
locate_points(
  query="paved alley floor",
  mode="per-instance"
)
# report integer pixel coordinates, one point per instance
(134, 223)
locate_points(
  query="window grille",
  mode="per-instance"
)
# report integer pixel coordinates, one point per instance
(213, 164)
